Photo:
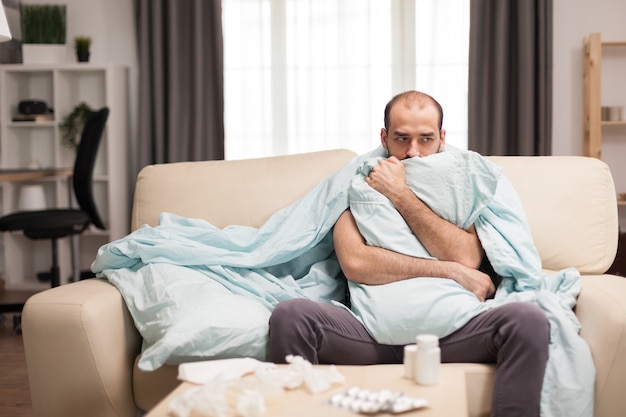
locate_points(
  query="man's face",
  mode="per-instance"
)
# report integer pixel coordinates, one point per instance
(413, 131)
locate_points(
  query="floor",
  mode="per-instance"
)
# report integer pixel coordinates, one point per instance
(14, 392)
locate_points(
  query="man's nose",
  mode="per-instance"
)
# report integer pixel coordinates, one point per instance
(413, 150)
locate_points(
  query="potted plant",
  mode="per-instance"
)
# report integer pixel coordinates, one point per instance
(81, 45)
(72, 125)
(43, 32)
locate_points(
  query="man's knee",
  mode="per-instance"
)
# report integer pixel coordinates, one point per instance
(529, 324)
(292, 331)
(289, 310)
(291, 317)
(281, 312)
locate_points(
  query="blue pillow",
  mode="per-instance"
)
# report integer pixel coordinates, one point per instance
(457, 185)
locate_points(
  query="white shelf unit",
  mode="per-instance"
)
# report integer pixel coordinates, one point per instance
(23, 144)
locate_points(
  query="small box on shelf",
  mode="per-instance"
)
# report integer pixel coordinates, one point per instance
(612, 114)
(47, 117)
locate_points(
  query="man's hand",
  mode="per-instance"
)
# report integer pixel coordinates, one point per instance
(388, 178)
(474, 281)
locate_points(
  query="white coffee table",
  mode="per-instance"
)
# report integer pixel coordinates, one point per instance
(448, 398)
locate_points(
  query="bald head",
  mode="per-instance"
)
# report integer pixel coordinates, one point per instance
(411, 99)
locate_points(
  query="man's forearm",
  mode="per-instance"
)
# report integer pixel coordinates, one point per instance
(381, 266)
(443, 240)
(372, 265)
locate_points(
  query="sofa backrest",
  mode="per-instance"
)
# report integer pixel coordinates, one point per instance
(570, 201)
(245, 192)
(571, 206)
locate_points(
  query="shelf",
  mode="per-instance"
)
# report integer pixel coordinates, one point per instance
(592, 92)
(29, 125)
(23, 143)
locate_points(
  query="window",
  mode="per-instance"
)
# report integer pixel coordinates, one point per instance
(308, 75)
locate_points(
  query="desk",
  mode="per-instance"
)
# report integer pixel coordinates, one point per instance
(448, 398)
(17, 175)
(11, 301)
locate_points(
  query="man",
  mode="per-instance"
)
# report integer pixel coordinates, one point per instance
(514, 336)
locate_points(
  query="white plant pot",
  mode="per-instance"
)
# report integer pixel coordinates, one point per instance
(42, 53)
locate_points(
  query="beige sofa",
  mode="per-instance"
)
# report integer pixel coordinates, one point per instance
(81, 344)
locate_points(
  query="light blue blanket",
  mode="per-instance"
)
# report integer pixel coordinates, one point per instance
(162, 274)
(182, 316)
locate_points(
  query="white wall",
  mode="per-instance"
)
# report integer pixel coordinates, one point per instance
(111, 26)
(109, 23)
(573, 20)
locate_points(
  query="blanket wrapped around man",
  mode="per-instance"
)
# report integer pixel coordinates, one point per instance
(196, 291)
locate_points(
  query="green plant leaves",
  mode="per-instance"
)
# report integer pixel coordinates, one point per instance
(43, 23)
(73, 124)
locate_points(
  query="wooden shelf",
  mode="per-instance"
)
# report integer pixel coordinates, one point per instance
(592, 102)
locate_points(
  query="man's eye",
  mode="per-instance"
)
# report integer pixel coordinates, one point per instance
(427, 139)
(401, 139)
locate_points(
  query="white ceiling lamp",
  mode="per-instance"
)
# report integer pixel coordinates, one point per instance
(5, 33)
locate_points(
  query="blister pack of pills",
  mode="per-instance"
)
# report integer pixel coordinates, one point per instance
(364, 401)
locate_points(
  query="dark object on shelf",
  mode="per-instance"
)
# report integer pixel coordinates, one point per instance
(54, 224)
(32, 106)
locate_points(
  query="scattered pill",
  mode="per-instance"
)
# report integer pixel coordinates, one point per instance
(364, 401)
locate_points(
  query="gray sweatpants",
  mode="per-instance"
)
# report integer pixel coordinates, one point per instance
(514, 336)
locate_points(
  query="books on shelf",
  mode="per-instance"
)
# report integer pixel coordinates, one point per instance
(46, 117)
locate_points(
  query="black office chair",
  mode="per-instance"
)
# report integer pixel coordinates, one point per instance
(54, 224)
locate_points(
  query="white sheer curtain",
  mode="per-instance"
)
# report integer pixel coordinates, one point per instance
(308, 75)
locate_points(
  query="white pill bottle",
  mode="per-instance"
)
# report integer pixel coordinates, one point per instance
(427, 359)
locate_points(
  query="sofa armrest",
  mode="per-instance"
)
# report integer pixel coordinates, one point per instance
(601, 309)
(80, 343)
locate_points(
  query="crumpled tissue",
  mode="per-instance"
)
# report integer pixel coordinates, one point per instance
(301, 371)
(226, 394)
